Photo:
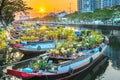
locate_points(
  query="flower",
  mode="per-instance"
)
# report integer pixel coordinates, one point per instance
(72, 50)
(52, 50)
(63, 51)
(56, 52)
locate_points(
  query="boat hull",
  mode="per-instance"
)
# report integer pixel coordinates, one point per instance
(31, 51)
(38, 49)
(62, 76)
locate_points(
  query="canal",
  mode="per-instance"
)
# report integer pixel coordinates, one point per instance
(111, 68)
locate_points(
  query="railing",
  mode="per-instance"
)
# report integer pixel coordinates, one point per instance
(82, 23)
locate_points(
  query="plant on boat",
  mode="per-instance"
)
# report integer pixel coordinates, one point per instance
(96, 38)
(2, 39)
(62, 50)
(60, 33)
(28, 25)
(64, 45)
(91, 38)
(69, 34)
(40, 64)
(47, 34)
(86, 32)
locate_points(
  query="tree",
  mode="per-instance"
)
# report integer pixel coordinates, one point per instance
(8, 8)
(103, 14)
(1, 8)
(116, 14)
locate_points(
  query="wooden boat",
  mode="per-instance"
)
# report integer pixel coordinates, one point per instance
(38, 47)
(61, 68)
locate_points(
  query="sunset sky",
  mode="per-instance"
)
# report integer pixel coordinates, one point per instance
(46, 6)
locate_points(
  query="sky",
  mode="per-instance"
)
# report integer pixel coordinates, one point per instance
(47, 6)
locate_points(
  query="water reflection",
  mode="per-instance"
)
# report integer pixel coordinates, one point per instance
(113, 52)
(95, 71)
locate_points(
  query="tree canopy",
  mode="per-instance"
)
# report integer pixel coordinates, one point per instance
(8, 8)
(98, 14)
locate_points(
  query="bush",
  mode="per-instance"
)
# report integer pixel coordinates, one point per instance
(2, 61)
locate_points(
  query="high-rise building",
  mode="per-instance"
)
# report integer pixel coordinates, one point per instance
(116, 2)
(91, 5)
(106, 3)
(96, 4)
(85, 5)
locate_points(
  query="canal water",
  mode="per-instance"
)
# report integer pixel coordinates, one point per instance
(111, 69)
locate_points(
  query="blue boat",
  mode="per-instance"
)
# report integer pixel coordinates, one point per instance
(38, 47)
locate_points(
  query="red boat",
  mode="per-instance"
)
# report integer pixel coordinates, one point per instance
(17, 45)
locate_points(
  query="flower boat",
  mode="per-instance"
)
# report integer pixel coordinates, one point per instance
(62, 63)
(60, 67)
(38, 47)
(47, 40)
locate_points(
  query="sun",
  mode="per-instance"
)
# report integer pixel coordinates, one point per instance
(42, 10)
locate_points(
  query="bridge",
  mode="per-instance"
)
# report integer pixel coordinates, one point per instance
(86, 25)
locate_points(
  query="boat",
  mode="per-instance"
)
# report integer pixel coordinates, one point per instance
(53, 24)
(66, 60)
(62, 68)
(44, 41)
(38, 47)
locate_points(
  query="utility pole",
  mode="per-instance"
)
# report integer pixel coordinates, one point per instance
(70, 9)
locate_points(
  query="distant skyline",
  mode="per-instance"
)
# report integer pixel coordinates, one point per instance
(51, 6)
(91, 5)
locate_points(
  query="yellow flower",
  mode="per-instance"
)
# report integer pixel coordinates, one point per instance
(63, 51)
(2, 39)
(19, 40)
(56, 52)
(3, 44)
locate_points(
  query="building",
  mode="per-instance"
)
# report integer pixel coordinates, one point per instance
(91, 5)
(24, 17)
(61, 14)
(116, 2)
(106, 3)
(109, 3)
(85, 5)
